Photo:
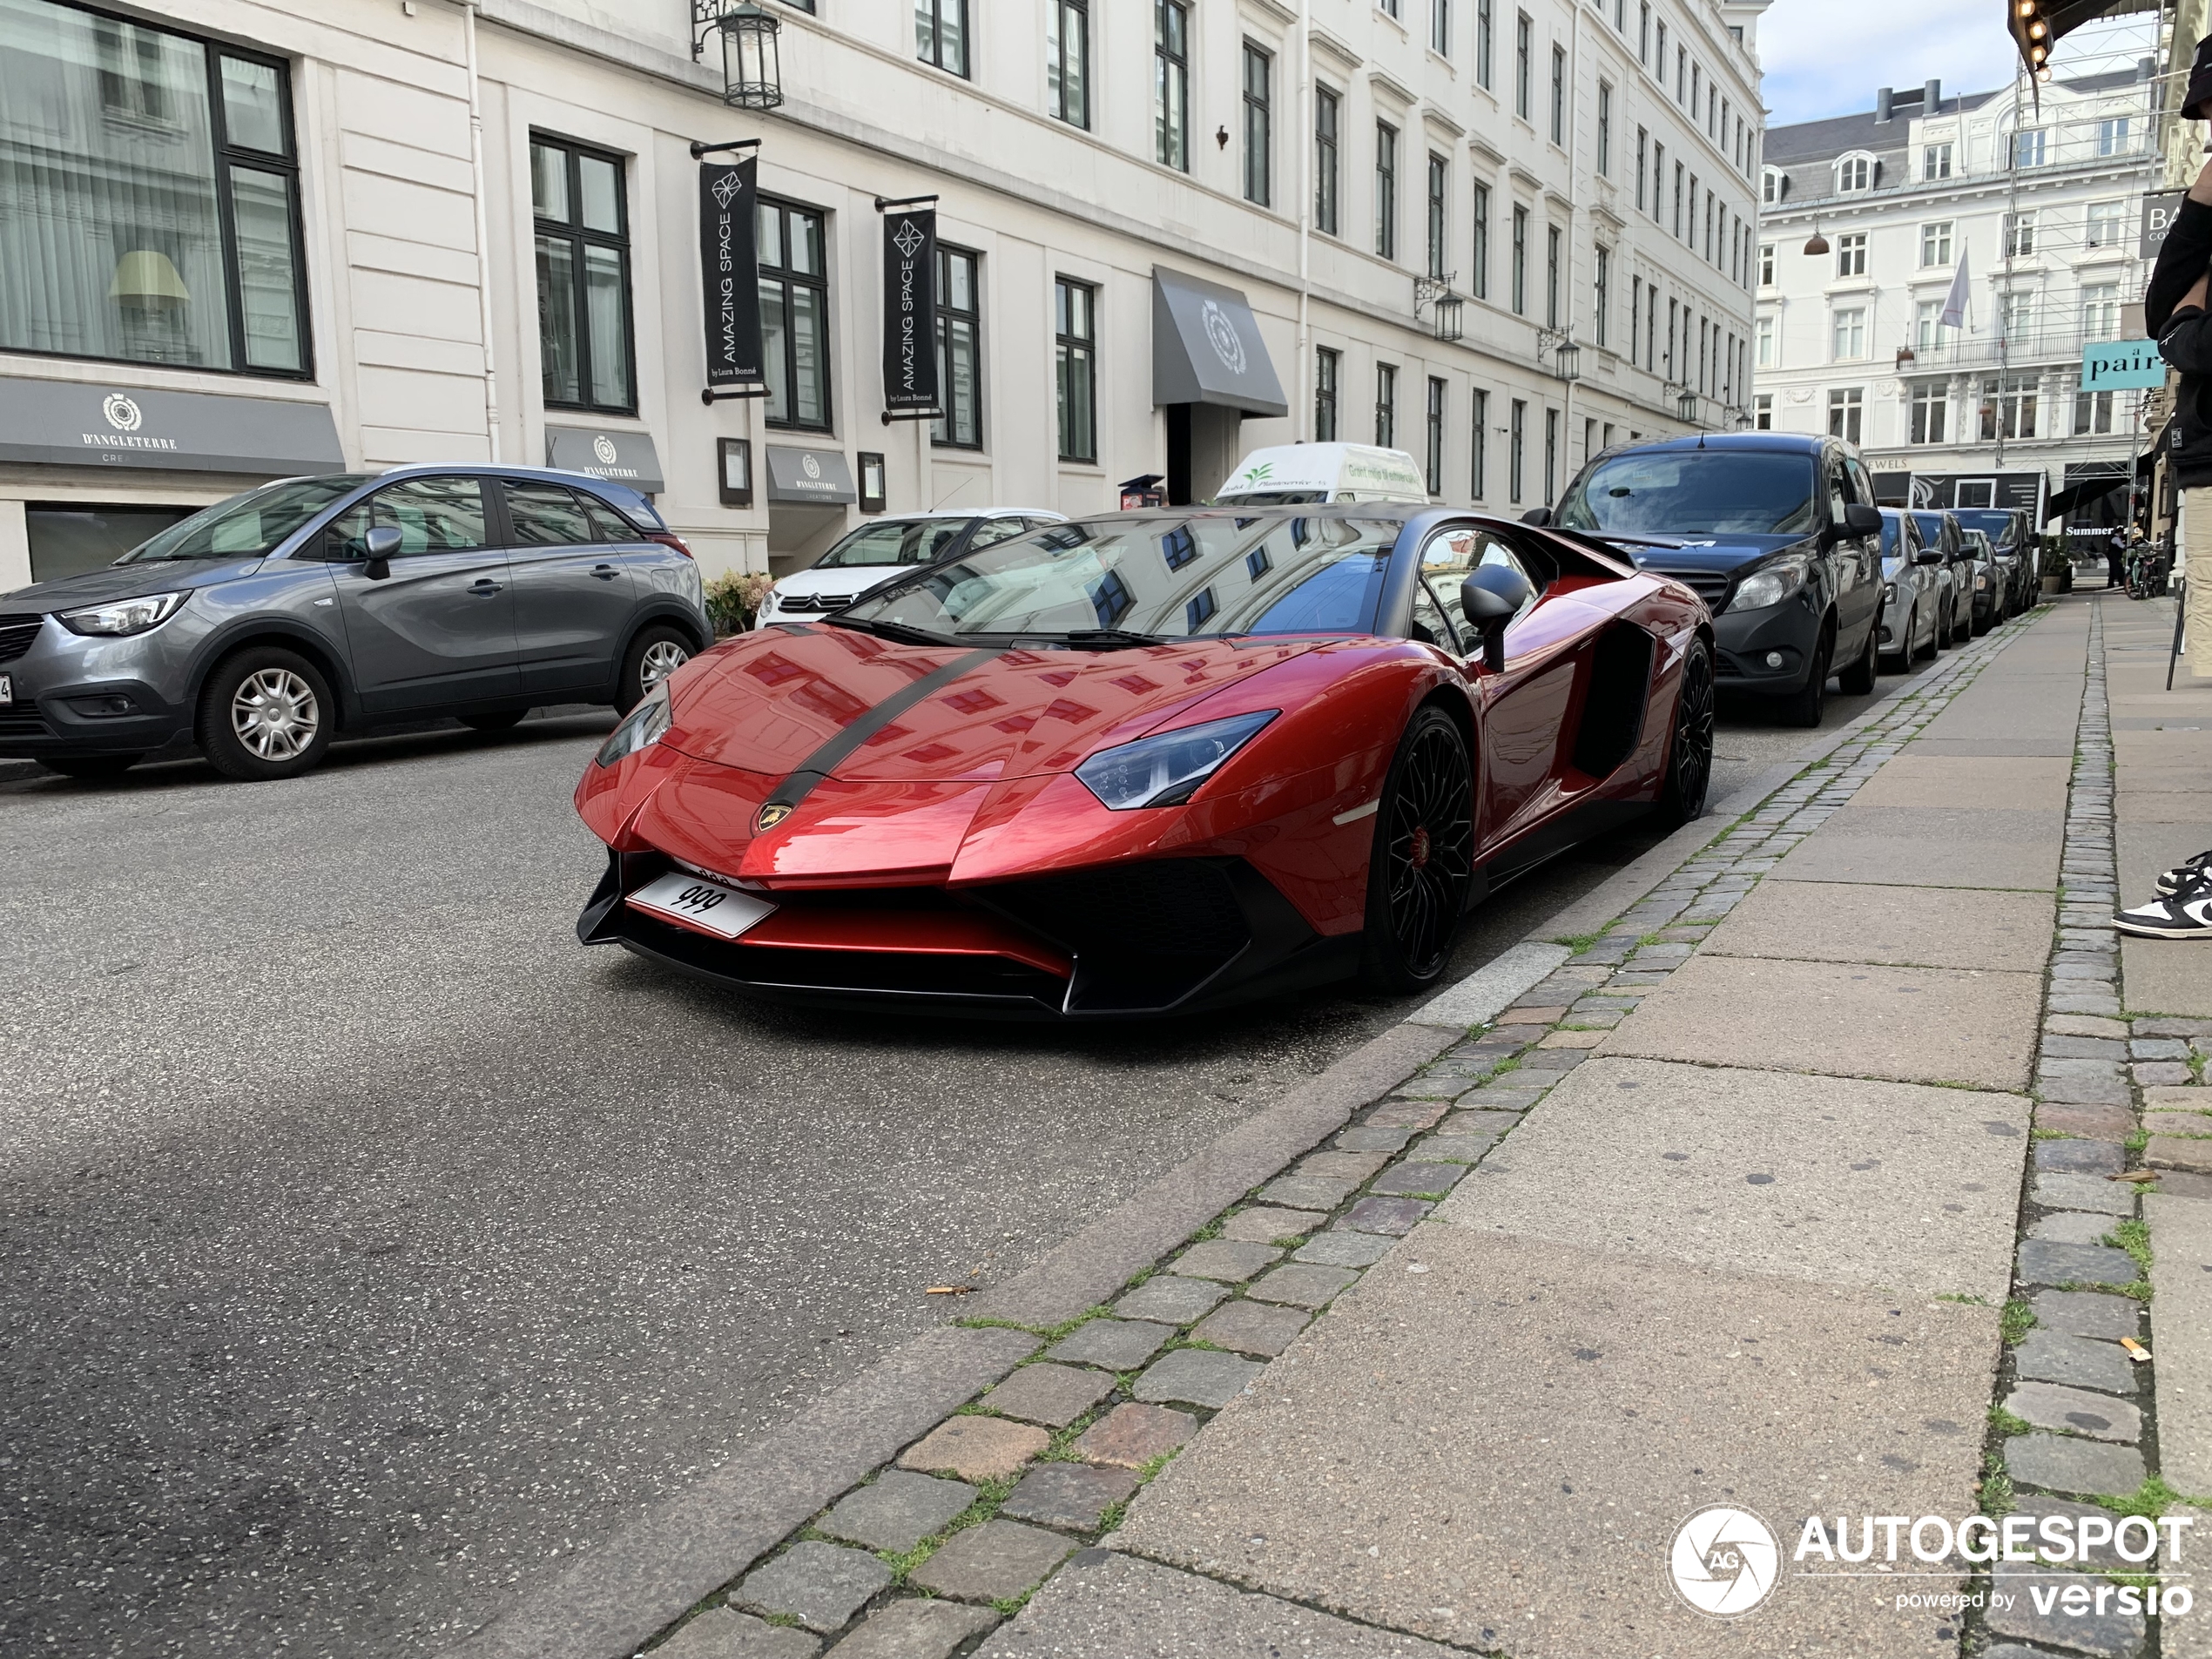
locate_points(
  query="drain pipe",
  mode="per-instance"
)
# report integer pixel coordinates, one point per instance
(483, 231)
(1302, 418)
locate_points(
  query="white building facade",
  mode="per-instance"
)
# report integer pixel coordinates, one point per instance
(242, 240)
(2041, 200)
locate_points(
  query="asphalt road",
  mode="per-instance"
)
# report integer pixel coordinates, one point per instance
(368, 1245)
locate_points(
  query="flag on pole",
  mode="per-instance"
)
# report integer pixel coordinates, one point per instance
(1954, 303)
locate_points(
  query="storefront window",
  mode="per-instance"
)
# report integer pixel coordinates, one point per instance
(151, 196)
(582, 277)
(959, 367)
(795, 316)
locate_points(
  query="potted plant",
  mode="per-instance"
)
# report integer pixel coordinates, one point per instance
(733, 600)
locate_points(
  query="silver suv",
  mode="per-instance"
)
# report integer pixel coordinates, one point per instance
(264, 624)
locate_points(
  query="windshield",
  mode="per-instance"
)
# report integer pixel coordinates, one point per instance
(248, 525)
(1930, 528)
(1673, 492)
(1272, 498)
(1203, 577)
(1997, 525)
(895, 542)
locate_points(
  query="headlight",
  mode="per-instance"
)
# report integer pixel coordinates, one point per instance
(1768, 585)
(1888, 593)
(1166, 770)
(124, 616)
(1980, 581)
(640, 729)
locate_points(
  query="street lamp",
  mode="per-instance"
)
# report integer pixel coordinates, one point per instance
(752, 60)
(1686, 406)
(1816, 243)
(1436, 293)
(1567, 356)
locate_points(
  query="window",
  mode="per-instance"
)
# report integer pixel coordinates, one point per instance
(1600, 292)
(1076, 352)
(1172, 84)
(1067, 58)
(1435, 454)
(1854, 173)
(1439, 33)
(1935, 243)
(1651, 328)
(2107, 225)
(1643, 32)
(1636, 313)
(2019, 234)
(1516, 451)
(1851, 334)
(1679, 172)
(2009, 408)
(1846, 412)
(2100, 311)
(1930, 411)
(1559, 95)
(1386, 190)
(1605, 128)
(2111, 136)
(1437, 183)
(1641, 146)
(795, 316)
(1325, 108)
(1763, 412)
(1520, 273)
(2029, 148)
(1479, 460)
(1259, 71)
(1551, 276)
(1523, 30)
(1928, 333)
(1770, 184)
(1697, 93)
(2091, 414)
(940, 34)
(1935, 161)
(1325, 364)
(1479, 280)
(1484, 33)
(1386, 406)
(1551, 454)
(1676, 318)
(2016, 314)
(582, 277)
(1681, 65)
(1766, 342)
(161, 224)
(1766, 264)
(959, 333)
(1659, 55)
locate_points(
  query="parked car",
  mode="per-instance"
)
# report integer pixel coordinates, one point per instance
(882, 548)
(1290, 474)
(1991, 581)
(2013, 537)
(1149, 762)
(1778, 533)
(1912, 594)
(268, 623)
(1939, 530)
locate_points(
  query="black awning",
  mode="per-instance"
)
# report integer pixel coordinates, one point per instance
(1206, 349)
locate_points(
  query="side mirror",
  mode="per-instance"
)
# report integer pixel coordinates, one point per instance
(1538, 517)
(379, 545)
(1928, 555)
(1859, 519)
(1492, 596)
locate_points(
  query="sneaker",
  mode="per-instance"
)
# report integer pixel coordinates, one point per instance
(2184, 915)
(2184, 873)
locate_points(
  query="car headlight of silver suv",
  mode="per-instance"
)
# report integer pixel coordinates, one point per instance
(124, 616)
(640, 729)
(1769, 584)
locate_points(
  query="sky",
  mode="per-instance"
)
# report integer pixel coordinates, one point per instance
(1814, 68)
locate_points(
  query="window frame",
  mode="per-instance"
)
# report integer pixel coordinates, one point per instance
(1518, 276)
(1327, 159)
(1601, 291)
(1485, 30)
(785, 274)
(1935, 242)
(1479, 447)
(1438, 218)
(1847, 413)
(1259, 122)
(1851, 254)
(1171, 84)
(574, 151)
(1433, 459)
(1605, 129)
(1386, 406)
(1067, 347)
(1524, 70)
(1439, 28)
(1479, 277)
(1058, 13)
(1559, 95)
(934, 53)
(1386, 190)
(1553, 241)
(1328, 367)
(948, 314)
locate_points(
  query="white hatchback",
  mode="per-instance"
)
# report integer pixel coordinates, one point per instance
(883, 547)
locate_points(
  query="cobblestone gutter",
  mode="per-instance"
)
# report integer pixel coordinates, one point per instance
(927, 1554)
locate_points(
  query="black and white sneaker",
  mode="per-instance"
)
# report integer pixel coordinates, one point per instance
(2185, 913)
(2182, 873)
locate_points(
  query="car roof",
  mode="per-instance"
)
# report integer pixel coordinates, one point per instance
(1782, 442)
(966, 512)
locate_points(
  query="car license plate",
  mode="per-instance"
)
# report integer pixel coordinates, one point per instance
(7, 688)
(704, 904)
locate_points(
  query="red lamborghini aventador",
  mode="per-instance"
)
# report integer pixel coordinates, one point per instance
(1149, 762)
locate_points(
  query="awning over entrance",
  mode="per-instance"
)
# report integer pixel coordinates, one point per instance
(1206, 349)
(89, 423)
(623, 457)
(801, 477)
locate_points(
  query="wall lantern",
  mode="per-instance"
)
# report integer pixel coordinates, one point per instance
(874, 496)
(1567, 356)
(1742, 421)
(1436, 293)
(1686, 406)
(752, 76)
(733, 471)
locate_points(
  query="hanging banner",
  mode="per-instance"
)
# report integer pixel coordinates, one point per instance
(729, 271)
(910, 311)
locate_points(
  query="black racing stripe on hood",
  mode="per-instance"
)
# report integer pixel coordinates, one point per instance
(825, 760)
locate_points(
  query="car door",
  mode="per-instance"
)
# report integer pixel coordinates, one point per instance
(1857, 560)
(433, 626)
(573, 595)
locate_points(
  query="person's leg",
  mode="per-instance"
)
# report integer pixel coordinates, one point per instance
(2196, 551)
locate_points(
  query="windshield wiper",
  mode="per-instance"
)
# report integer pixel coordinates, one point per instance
(893, 630)
(1108, 638)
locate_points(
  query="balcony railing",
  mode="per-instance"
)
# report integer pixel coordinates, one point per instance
(2031, 349)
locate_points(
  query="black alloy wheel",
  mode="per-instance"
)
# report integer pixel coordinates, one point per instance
(1809, 702)
(1690, 761)
(1907, 652)
(1423, 860)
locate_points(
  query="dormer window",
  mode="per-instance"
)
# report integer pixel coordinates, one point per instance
(1854, 173)
(1772, 182)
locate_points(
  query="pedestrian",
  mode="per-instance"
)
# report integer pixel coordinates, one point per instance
(2116, 559)
(2174, 308)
